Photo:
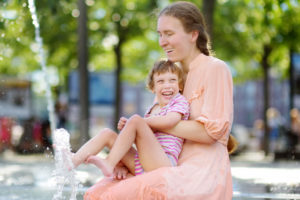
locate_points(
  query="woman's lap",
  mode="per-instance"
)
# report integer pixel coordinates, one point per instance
(198, 177)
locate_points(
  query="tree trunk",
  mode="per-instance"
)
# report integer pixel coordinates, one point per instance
(118, 91)
(83, 73)
(292, 83)
(265, 66)
(208, 12)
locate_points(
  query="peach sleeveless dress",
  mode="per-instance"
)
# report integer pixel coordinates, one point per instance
(203, 171)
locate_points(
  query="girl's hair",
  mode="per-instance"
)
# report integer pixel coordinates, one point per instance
(191, 19)
(163, 66)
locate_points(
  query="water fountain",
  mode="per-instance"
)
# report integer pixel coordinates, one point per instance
(64, 170)
(61, 137)
(42, 56)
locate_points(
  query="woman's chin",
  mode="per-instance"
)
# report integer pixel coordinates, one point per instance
(174, 58)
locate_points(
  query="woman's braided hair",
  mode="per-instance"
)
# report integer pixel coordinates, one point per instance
(191, 19)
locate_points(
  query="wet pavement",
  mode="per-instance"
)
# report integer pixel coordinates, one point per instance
(258, 177)
(28, 177)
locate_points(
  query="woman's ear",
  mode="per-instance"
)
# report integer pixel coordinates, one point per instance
(195, 35)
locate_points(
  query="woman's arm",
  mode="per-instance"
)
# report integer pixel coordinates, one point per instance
(190, 130)
(163, 122)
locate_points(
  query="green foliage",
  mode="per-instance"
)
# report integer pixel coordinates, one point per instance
(58, 30)
(242, 28)
(15, 43)
(129, 23)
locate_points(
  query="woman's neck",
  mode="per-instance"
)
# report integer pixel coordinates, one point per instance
(186, 62)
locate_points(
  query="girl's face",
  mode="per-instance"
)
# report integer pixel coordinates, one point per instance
(177, 44)
(165, 87)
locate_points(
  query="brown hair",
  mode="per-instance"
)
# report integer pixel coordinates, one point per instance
(232, 144)
(163, 66)
(191, 19)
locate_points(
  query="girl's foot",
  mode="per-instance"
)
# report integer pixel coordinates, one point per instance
(102, 164)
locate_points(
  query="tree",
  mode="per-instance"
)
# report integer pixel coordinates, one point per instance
(123, 21)
(83, 72)
(208, 12)
(261, 36)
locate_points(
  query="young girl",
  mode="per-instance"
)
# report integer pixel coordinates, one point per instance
(154, 149)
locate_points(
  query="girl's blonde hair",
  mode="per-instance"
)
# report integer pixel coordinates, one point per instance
(163, 66)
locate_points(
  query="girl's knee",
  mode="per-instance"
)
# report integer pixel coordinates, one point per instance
(110, 136)
(107, 133)
(135, 119)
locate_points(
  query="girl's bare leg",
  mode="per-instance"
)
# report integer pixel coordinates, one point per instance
(105, 138)
(151, 153)
(136, 130)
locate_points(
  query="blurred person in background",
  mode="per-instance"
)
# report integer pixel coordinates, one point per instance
(5, 133)
(295, 129)
(258, 134)
(275, 123)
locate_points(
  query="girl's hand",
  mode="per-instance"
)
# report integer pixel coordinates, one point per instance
(122, 123)
(120, 172)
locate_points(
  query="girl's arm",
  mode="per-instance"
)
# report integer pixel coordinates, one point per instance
(163, 122)
(190, 130)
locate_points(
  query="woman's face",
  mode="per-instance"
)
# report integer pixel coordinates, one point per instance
(176, 43)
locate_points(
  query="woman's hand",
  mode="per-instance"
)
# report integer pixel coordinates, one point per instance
(120, 172)
(122, 123)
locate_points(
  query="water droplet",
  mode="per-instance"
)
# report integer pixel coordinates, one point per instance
(18, 39)
(24, 4)
(3, 35)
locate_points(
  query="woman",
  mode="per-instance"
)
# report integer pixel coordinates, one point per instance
(204, 166)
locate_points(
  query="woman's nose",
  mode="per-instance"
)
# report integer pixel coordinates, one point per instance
(162, 41)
